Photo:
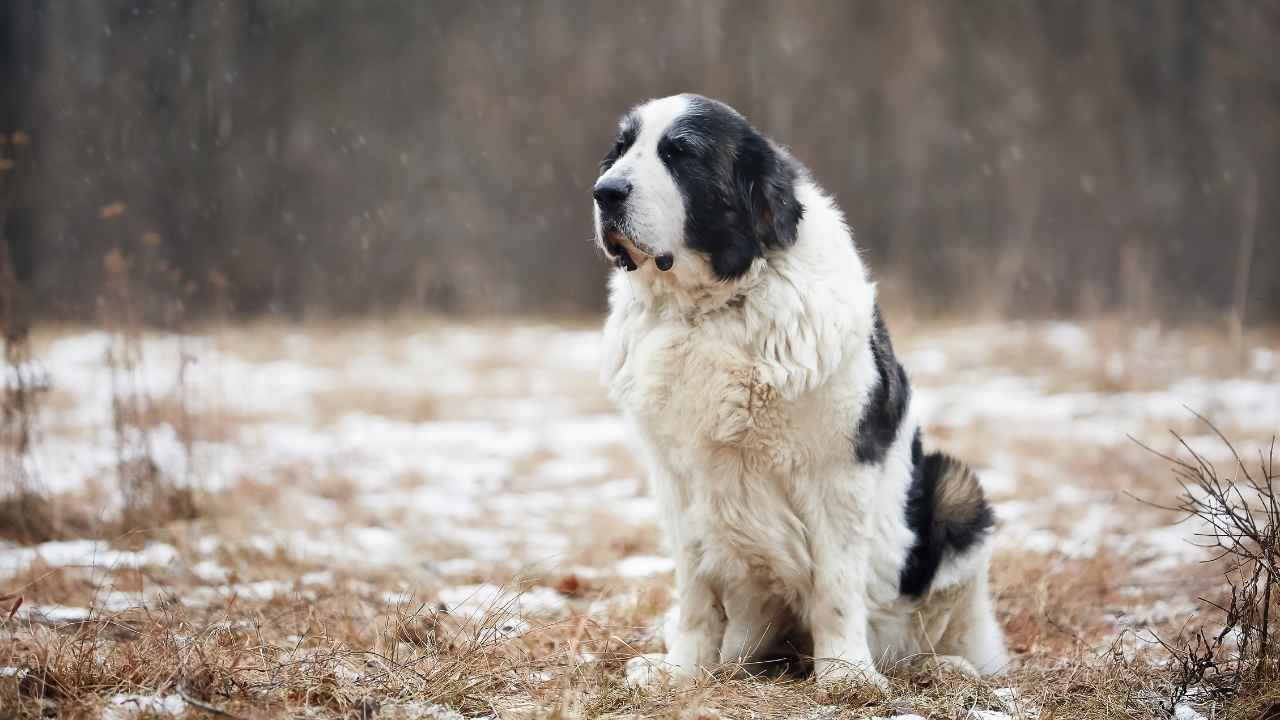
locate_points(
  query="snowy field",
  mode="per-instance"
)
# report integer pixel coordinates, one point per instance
(419, 519)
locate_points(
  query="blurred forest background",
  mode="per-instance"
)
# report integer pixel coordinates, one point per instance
(306, 157)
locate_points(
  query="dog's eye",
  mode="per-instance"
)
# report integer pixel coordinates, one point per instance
(673, 148)
(616, 150)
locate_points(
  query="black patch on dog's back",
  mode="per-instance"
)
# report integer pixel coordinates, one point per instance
(946, 509)
(887, 405)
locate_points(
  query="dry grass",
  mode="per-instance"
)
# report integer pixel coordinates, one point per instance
(340, 652)
(240, 627)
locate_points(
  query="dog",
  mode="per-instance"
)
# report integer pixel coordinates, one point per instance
(745, 347)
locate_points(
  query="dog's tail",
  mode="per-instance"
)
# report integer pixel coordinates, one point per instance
(948, 511)
(961, 511)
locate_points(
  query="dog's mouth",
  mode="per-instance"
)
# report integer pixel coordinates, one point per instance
(631, 255)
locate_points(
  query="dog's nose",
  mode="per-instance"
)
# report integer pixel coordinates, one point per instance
(611, 192)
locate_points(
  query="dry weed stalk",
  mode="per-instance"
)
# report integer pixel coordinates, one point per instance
(24, 509)
(1240, 517)
(150, 497)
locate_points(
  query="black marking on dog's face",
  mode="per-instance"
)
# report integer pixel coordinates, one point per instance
(738, 189)
(946, 510)
(887, 406)
(630, 128)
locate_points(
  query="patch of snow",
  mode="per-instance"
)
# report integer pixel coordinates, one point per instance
(123, 707)
(377, 541)
(453, 503)
(260, 591)
(1264, 361)
(1002, 399)
(115, 601)
(1083, 539)
(479, 600)
(456, 566)
(1157, 611)
(482, 543)
(13, 672)
(1011, 699)
(586, 572)
(1070, 339)
(364, 546)
(322, 577)
(926, 361)
(996, 481)
(585, 432)
(1248, 402)
(542, 600)
(210, 571)
(208, 545)
(53, 614)
(1007, 695)
(511, 627)
(398, 598)
(1087, 533)
(1041, 542)
(636, 510)
(1163, 549)
(563, 470)
(643, 566)
(531, 503)
(88, 553)
(1183, 711)
(414, 710)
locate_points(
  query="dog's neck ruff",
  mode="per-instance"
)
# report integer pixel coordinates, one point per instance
(688, 292)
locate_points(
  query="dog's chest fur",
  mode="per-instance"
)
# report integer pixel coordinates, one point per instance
(735, 451)
(747, 416)
(704, 393)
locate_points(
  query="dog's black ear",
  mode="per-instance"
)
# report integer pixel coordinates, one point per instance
(765, 183)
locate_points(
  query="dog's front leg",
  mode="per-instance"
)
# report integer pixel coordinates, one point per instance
(838, 615)
(693, 630)
(694, 643)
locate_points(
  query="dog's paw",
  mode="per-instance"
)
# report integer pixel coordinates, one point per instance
(945, 664)
(844, 679)
(652, 670)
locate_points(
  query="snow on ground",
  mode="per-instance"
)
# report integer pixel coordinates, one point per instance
(464, 453)
(127, 707)
(85, 553)
(1184, 711)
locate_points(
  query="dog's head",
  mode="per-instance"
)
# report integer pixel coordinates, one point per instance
(688, 180)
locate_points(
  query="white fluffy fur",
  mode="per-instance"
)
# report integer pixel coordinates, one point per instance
(744, 396)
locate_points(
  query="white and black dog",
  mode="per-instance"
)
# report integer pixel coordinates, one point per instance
(776, 421)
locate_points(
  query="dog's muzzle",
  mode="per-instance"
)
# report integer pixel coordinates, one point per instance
(611, 196)
(631, 255)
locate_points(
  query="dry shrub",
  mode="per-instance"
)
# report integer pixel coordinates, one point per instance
(1239, 515)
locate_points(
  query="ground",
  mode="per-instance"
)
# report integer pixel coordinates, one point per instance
(420, 518)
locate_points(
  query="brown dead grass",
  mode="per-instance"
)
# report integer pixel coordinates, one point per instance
(337, 650)
(220, 425)
(331, 405)
(340, 649)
